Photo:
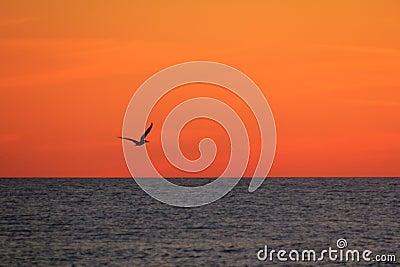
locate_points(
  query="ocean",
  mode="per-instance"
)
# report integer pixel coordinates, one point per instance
(110, 221)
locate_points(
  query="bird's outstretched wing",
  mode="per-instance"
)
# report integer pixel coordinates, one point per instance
(130, 139)
(146, 132)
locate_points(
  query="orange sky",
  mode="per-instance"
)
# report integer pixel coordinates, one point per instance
(329, 70)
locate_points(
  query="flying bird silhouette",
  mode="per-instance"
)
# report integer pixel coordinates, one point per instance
(142, 138)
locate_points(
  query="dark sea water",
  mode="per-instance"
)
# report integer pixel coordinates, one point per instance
(95, 222)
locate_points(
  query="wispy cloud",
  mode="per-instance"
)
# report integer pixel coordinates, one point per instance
(373, 103)
(58, 61)
(15, 21)
(9, 137)
(359, 48)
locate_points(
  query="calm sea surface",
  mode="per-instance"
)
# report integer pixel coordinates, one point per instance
(93, 222)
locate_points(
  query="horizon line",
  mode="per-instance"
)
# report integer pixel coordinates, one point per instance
(126, 177)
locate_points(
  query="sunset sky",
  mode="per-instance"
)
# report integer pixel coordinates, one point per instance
(330, 71)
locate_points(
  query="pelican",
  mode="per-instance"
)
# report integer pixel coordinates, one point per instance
(142, 138)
